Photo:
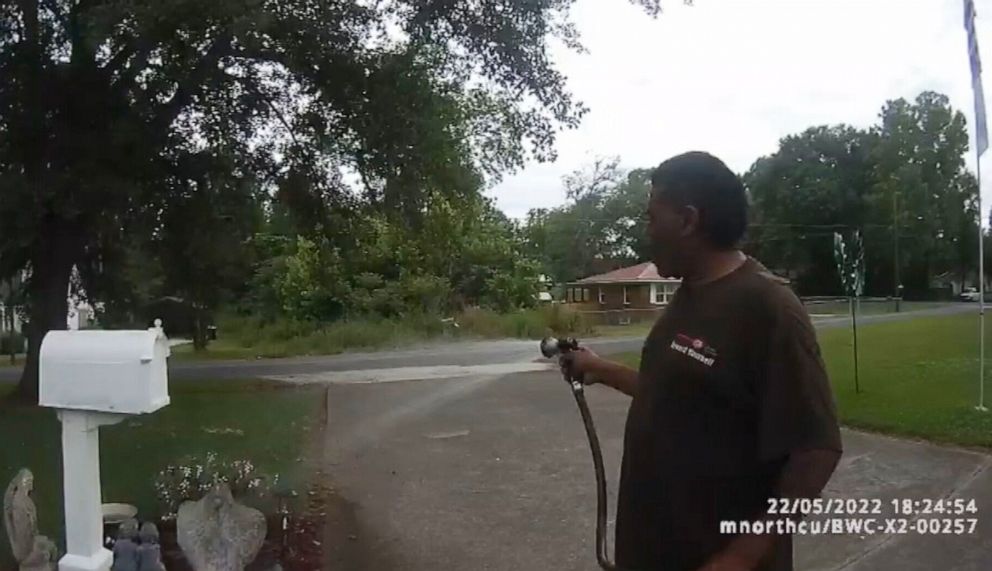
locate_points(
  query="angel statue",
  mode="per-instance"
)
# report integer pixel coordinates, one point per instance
(32, 552)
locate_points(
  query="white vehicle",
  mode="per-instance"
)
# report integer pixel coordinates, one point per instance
(969, 294)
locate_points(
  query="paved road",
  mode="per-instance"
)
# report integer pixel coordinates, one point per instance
(453, 354)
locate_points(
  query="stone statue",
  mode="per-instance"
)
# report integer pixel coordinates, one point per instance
(33, 552)
(43, 557)
(218, 534)
(126, 546)
(150, 552)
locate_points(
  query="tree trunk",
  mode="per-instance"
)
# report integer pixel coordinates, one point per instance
(8, 316)
(48, 307)
(199, 334)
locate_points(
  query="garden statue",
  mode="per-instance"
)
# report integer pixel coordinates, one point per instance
(126, 547)
(32, 552)
(150, 552)
(218, 534)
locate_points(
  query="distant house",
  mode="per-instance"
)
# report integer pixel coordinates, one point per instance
(635, 293)
(80, 314)
(6, 316)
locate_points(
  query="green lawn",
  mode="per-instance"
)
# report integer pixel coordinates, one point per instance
(261, 421)
(5, 361)
(918, 378)
(632, 330)
(868, 307)
(217, 351)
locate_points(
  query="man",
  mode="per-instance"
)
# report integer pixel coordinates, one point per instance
(731, 406)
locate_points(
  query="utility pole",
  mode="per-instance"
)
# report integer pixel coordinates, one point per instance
(895, 247)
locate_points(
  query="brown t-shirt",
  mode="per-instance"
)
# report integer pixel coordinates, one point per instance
(731, 382)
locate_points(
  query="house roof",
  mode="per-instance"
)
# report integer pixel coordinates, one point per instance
(641, 273)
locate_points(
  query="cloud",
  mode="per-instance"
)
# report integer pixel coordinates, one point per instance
(734, 76)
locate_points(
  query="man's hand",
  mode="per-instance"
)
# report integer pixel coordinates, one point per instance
(581, 363)
(592, 369)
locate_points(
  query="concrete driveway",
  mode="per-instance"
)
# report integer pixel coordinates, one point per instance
(494, 472)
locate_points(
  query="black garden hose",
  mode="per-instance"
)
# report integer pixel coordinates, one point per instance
(551, 347)
(602, 556)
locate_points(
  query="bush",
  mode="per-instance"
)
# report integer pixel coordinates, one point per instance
(7, 339)
(529, 324)
(285, 337)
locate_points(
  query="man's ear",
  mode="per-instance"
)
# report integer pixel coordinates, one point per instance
(690, 220)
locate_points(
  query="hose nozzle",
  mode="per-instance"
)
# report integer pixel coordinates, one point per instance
(552, 347)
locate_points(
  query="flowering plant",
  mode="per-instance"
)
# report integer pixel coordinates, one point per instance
(194, 477)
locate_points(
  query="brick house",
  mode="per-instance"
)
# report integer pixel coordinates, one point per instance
(623, 296)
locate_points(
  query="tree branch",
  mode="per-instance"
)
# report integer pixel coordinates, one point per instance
(128, 74)
(276, 111)
(52, 7)
(192, 85)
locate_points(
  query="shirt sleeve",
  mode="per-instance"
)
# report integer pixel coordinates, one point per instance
(795, 401)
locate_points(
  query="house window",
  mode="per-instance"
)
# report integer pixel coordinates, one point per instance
(661, 294)
(602, 297)
(585, 294)
(626, 296)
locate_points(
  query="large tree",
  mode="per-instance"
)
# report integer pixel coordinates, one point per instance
(903, 179)
(814, 185)
(921, 186)
(111, 108)
(601, 227)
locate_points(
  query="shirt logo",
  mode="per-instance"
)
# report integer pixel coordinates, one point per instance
(694, 348)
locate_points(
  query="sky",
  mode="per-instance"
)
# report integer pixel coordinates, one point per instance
(732, 77)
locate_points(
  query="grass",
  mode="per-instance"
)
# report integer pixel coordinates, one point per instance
(249, 338)
(265, 422)
(868, 307)
(830, 308)
(918, 378)
(633, 330)
(220, 350)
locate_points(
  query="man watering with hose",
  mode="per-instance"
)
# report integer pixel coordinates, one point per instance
(731, 406)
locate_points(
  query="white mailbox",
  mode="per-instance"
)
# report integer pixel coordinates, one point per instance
(122, 372)
(94, 379)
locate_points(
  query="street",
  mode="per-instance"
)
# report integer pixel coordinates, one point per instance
(461, 353)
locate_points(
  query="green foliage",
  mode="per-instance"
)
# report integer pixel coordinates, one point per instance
(529, 324)
(461, 252)
(602, 227)
(255, 337)
(907, 172)
(312, 285)
(139, 128)
(505, 291)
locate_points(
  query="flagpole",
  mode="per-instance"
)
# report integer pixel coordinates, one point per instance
(981, 291)
(981, 144)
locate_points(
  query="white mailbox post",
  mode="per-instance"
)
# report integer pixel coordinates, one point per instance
(96, 378)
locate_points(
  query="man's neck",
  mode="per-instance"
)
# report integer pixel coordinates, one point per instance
(715, 265)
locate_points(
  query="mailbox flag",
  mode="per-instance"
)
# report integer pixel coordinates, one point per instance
(981, 130)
